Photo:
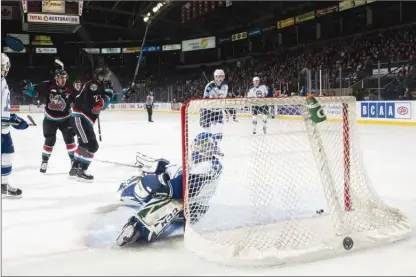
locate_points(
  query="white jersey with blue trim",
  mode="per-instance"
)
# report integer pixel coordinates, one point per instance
(211, 168)
(258, 92)
(214, 91)
(5, 106)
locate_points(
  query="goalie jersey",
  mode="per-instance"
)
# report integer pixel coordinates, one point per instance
(214, 91)
(259, 92)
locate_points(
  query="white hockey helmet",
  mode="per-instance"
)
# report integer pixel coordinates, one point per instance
(256, 81)
(5, 64)
(219, 76)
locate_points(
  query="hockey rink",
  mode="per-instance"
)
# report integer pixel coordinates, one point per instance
(65, 227)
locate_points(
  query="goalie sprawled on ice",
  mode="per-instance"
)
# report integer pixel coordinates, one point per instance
(157, 191)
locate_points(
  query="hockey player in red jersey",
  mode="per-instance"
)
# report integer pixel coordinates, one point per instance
(58, 97)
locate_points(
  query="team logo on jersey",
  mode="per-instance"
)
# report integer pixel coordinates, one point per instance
(57, 103)
(259, 93)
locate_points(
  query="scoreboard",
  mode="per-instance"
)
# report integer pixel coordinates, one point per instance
(55, 16)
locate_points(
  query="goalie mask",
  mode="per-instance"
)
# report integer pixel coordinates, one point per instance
(5, 64)
(219, 76)
(61, 76)
(204, 147)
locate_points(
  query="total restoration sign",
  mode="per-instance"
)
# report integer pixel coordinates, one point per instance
(52, 18)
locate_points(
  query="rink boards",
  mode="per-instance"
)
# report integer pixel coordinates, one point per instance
(374, 112)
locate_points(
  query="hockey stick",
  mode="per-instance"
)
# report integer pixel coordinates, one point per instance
(61, 64)
(205, 76)
(17, 124)
(140, 158)
(99, 128)
(32, 120)
(116, 163)
(140, 56)
(31, 123)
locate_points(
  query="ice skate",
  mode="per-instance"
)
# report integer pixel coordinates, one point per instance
(129, 234)
(43, 167)
(82, 175)
(9, 191)
(74, 168)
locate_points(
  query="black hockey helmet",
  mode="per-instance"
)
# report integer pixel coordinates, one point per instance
(102, 75)
(60, 72)
(77, 81)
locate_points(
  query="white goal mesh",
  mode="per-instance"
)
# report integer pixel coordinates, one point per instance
(297, 193)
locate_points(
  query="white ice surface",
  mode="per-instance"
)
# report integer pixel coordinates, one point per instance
(56, 228)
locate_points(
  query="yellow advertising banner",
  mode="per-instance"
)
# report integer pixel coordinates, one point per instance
(346, 4)
(54, 6)
(305, 17)
(239, 36)
(285, 23)
(131, 49)
(42, 40)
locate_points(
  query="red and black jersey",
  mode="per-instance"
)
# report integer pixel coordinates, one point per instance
(92, 99)
(58, 100)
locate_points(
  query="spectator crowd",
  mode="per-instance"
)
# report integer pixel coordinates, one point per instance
(342, 63)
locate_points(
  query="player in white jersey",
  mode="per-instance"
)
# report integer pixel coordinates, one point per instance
(217, 88)
(214, 117)
(258, 90)
(7, 120)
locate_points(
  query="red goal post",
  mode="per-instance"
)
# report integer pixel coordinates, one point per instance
(299, 192)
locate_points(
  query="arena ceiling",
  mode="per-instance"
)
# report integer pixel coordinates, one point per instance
(123, 20)
(112, 20)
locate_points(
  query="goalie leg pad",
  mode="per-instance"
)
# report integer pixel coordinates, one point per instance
(132, 193)
(156, 216)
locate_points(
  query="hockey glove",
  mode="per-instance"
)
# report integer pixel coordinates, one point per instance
(126, 93)
(28, 88)
(18, 122)
(109, 92)
(26, 84)
(98, 107)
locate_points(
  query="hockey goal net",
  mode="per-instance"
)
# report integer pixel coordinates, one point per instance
(297, 193)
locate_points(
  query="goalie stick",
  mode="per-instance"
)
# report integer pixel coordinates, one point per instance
(142, 161)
